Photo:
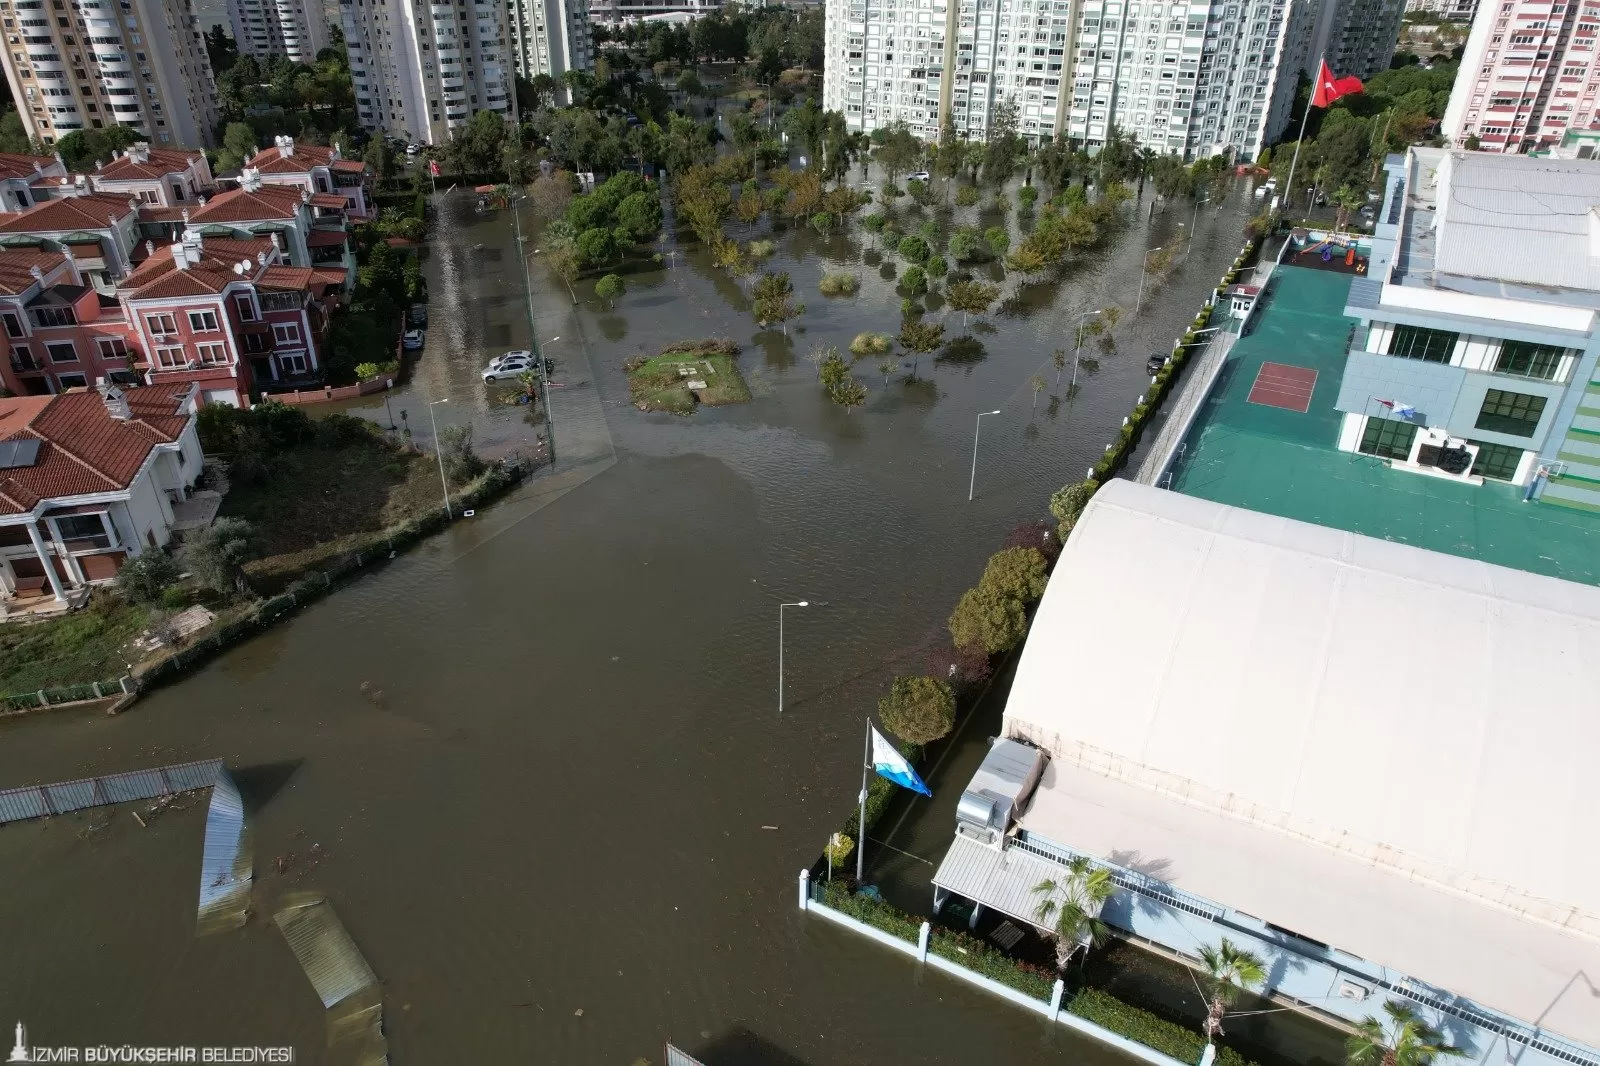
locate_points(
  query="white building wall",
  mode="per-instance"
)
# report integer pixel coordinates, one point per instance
(420, 68)
(551, 37)
(296, 29)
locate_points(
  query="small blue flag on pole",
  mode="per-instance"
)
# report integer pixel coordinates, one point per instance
(888, 762)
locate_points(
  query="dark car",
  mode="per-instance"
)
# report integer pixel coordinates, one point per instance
(418, 315)
(1154, 364)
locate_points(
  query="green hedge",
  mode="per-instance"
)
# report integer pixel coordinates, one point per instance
(873, 912)
(1169, 1038)
(982, 957)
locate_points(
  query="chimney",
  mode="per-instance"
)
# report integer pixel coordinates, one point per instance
(38, 275)
(261, 258)
(140, 152)
(82, 183)
(277, 241)
(115, 400)
(250, 179)
(149, 248)
(285, 145)
(180, 257)
(305, 195)
(98, 165)
(186, 218)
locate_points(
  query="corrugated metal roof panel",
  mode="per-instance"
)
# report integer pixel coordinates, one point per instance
(676, 1057)
(20, 804)
(73, 795)
(1001, 880)
(324, 950)
(225, 866)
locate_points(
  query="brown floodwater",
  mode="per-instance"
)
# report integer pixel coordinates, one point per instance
(541, 753)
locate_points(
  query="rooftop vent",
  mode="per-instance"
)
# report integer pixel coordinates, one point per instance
(997, 792)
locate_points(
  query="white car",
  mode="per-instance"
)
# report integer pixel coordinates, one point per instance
(921, 175)
(411, 339)
(521, 354)
(507, 370)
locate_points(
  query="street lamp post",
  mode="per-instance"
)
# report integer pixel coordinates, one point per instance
(1144, 271)
(1193, 221)
(439, 453)
(781, 606)
(972, 482)
(1078, 348)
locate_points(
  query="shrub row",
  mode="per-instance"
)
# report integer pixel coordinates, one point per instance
(979, 956)
(1169, 1038)
(1128, 437)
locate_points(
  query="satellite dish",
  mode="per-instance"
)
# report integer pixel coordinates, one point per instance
(244, 266)
(238, 268)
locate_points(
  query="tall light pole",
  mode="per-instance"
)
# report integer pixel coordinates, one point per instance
(439, 453)
(1078, 348)
(972, 482)
(781, 606)
(1144, 270)
(1195, 221)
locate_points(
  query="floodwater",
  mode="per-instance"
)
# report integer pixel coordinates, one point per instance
(556, 806)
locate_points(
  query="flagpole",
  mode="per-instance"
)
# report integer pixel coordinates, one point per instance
(1288, 186)
(866, 762)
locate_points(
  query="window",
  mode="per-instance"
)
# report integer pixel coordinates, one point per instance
(53, 316)
(172, 358)
(13, 324)
(112, 349)
(161, 324)
(62, 352)
(213, 354)
(1515, 413)
(22, 358)
(247, 309)
(292, 364)
(86, 530)
(203, 321)
(286, 333)
(1429, 345)
(1387, 438)
(1526, 360)
(1498, 461)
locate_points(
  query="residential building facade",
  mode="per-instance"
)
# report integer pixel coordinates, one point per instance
(294, 29)
(166, 177)
(551, 37)
(420, 77)
(146, 69)
(318, 170)
(1476, 356)
(1188, 79)
(24, 179)
(617, 12)
(1528, 76)
(88, 479)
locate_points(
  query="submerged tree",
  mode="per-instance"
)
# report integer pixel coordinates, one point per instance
(1406, 1041)
(1229, 968)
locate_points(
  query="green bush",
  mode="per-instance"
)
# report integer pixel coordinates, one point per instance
(874, 912)
(918, 709)
(1018, 573)
(146, 578)
(1169, 1038)
(981, 957)
(915, 279)
(914, 250)
(871, 344)
(988, 618)
(838, 284)
(1068, 503)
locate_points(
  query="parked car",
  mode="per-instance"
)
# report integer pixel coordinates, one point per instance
(522, 354)
(1154, 364)
(507, 370)
(418, 315)
(921, 175)
(411, 340)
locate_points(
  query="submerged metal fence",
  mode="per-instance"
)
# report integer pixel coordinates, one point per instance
(56, 694)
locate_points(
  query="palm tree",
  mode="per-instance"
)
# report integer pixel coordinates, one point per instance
(1070, 909)
(1229, 968)
(1406, 1041)
(1345, 201)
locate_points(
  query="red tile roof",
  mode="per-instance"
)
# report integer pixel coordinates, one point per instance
(15, 276)
(159, 163)
(328, 199)
(158, 277)
(69, 213)
(238, 205)
(83, 449)
(325, 238)
(306, 156)
(23, 166)
(349, 166)
(285, 279)
(157, 213)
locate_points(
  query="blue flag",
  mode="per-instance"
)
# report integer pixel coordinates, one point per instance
(888, 762)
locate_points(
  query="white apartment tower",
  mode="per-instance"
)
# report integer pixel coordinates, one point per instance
(296, 29)
(551, 36)
(1195, 79)
(88, 64)
(1528, 75)
(420, 68)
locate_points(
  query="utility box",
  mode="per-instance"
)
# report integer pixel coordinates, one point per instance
(999, 790)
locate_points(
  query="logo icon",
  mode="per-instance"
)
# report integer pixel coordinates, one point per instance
(19, 1050)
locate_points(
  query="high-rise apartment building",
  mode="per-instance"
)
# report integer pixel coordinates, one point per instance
(617, 12)
(1528, 75)
(87, 64)
(1194, 79)
(551, 37)
(420, 70)
(295, 29)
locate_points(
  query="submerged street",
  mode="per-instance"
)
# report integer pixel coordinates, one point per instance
(556, 807)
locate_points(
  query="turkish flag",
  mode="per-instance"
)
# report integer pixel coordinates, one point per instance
(1330, 88)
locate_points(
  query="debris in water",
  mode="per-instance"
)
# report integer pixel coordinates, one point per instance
(578, 1013)
(769, 827)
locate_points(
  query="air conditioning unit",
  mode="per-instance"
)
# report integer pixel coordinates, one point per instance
(1351, 990)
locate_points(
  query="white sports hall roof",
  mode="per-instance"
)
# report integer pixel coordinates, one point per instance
(1383, 748)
